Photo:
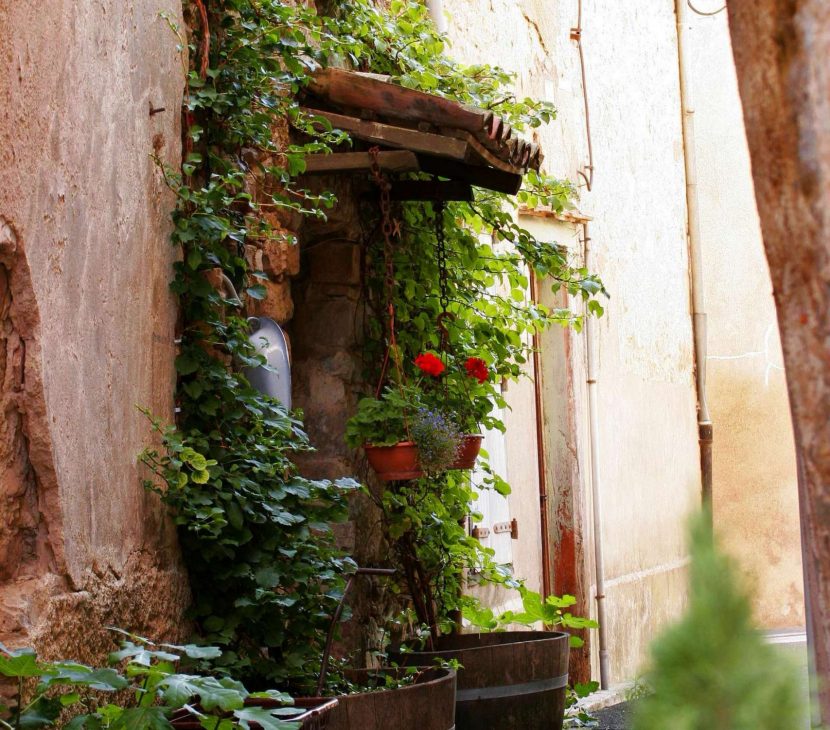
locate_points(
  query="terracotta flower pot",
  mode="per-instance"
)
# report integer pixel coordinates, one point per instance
(468, 452)
(396, 462)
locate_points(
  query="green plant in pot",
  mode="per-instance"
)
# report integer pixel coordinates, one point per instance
(421, 429)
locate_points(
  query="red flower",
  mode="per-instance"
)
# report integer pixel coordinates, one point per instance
(430, 364)
(477, 368)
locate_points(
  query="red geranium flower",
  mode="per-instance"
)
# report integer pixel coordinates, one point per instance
(430, 364)
(477, 368)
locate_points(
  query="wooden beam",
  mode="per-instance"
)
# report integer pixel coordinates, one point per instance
(566, 216)
(398, 137)
(478, 175)
(431, 190)
(396, 161)
(362, 91)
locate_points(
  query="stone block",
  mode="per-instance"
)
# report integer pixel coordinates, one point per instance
(277, 304)
(280, 258)
(335, 262)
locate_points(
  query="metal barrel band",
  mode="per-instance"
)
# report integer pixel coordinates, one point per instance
(511, 690)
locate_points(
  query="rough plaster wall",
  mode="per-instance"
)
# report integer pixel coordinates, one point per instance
(649, 457)
(84, 232)
(327, 340)
(755, 480)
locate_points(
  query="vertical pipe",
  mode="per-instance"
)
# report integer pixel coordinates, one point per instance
(704, 421)
(596, 482)
(540, 449)
(436, 11)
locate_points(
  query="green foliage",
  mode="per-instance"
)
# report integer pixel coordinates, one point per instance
(551, 612)
(254, 533)
(438, 439)
(712, 670)
(74, 693)
(382, 421)
(257, 538)
(491, 316)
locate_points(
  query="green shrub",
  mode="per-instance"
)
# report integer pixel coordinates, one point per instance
(712, 670)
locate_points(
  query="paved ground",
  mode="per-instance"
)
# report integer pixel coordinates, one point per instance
(618, 717)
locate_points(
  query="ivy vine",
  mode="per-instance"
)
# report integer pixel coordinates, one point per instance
(255, 534)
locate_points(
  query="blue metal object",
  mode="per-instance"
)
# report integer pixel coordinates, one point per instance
(270, 342)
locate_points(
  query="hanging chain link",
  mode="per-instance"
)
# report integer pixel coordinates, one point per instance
(390, 228)
(443, 278)
(441, 250)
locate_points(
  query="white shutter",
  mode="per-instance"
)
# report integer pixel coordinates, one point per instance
(492, 506)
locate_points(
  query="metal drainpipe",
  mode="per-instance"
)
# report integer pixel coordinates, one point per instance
(436, 10)
(596, 499)
(704, 422)
(540, 448)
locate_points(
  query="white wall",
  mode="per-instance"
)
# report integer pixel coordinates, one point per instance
(649, 461)
(755, 484)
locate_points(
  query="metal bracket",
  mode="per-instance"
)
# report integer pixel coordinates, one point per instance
(512, 527)
(481, 532)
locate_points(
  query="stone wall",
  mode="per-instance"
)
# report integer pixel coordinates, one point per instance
(327, 339)
(86, 319)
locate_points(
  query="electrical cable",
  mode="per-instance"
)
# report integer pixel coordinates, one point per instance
(701, 12)
(576, 36)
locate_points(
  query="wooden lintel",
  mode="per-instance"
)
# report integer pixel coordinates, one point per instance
(389, 161)
(436, 191)
(478, 175)
(397, 137)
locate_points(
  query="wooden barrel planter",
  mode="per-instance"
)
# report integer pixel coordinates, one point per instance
(512, 680)
(428, 704)
(310, 713)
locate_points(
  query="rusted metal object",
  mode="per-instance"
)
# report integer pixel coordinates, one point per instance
(388, 572)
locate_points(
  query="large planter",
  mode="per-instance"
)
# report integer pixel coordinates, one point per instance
(310, 713)
(512, 680)
(468, 452)
(428, 704)
(392, 463)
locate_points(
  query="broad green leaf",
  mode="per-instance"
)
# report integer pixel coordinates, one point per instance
(21, 663)
(264, 718)
(178, 690)
(142, 718)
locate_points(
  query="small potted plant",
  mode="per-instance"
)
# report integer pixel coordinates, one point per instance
(416, 430)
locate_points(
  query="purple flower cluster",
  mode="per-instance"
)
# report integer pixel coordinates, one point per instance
(438, 438)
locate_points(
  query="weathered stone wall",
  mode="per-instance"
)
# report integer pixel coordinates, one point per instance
(755, 485)
(328, 379)
(86, 319)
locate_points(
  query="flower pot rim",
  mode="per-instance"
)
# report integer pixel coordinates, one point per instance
(444, 673)
(368, 445)
(520, 637)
